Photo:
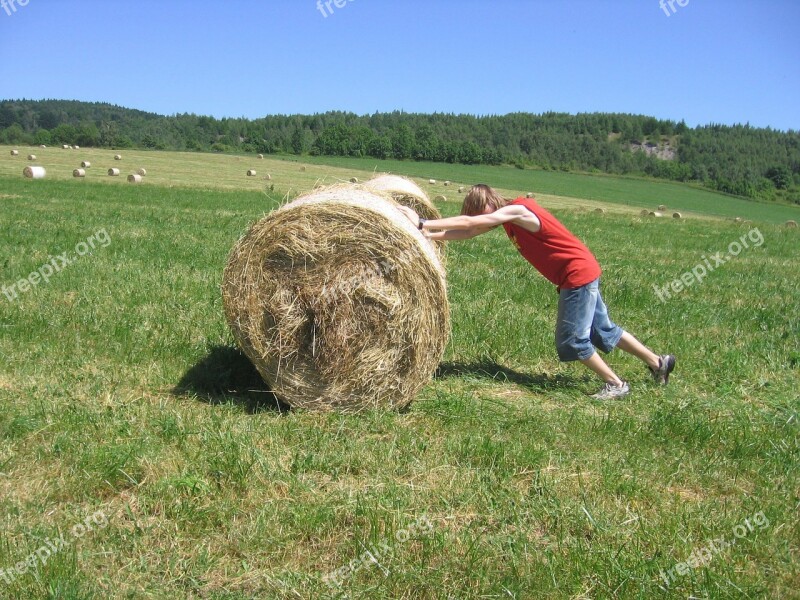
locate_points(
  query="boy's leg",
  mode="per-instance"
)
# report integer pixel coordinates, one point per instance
(631, 345)
(603, 371)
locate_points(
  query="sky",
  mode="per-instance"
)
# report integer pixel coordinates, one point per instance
(702, 61)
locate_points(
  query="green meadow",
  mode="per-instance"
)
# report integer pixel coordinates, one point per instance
(142, 457)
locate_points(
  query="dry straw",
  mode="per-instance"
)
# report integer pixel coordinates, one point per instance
(113, 172)
(34, 172)
(86, 164)
(135, 178)
(405, 192)
(79, 173)
(141, 172)
(339, 301)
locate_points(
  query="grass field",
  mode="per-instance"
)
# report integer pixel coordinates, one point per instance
(141, 457)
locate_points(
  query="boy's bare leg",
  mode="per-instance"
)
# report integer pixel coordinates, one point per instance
(631, 345)
(599, 366)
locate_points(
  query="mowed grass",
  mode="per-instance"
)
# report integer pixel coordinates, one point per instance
(121, 394)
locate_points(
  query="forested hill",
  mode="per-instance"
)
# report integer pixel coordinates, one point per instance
(738, 159)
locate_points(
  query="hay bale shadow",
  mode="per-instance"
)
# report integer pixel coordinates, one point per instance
(489, 369)
(226, 376)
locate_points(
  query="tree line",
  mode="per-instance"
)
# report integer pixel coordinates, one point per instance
(739, 159)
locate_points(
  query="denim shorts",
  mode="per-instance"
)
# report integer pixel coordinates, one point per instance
(583, 323)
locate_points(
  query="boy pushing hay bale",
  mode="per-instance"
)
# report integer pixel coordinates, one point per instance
(339, 301)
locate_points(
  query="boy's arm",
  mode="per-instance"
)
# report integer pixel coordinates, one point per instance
(457, 234)
(484, 222)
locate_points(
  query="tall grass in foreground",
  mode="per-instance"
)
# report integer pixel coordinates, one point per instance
(121, 395)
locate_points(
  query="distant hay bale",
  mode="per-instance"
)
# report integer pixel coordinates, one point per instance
(34, 172)
(432, 181)
(76, 147)
(645, 212)
(600, 210)
(65, 147)
(251, 173)
(405, 192)
(260, 157)
(461, 190)
(446, 183)
(43, 146)
(655, 214)
(268, 177)
(677, 215)
(113, 172)
(135, 178)
(738, 220)
(529, 195)
(662, 207)
(117, 157)
(85, 164)
(791, 224)
(141, 172)
(15, 153)
(440, 198)
(302, 168)
(354, 180)
(79, 173)
(339, 302)
(31, 157)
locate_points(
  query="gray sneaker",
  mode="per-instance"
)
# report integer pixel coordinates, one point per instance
(666, 364)
(611, 391)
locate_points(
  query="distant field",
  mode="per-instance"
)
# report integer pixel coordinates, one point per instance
(554, 188)
(132, 429)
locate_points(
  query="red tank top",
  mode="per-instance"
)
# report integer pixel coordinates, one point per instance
(553, 250)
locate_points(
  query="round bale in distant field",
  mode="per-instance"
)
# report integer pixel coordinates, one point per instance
(141, 172)
(76, 147)
(117, 157)
(260, 157)
(738, 220)
(34, 172)
(339, 302)
(440, 198)
(432, 181)
(113, 172)
(251, 173)
(662, 207)
(600, 210)
(644, 212)
(85, 164)
(791, 224)
(529, 195)
(65, 147)
(135, 178)
(43, 146)
(354, 180)
(15, 153)
(268, 177)
(79, 173)
(302, 168)
(677, 215)
(446, 183)
(461, 190)
(31, 157)
(655, 214)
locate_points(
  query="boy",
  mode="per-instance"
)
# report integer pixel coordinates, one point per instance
(583, 322)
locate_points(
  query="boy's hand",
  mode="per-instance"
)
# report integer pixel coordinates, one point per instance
(412, 216)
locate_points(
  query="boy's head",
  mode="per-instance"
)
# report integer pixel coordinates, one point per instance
(481, 200)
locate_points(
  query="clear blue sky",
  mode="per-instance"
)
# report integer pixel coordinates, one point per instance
(721, 61)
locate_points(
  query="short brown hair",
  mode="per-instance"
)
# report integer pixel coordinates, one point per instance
(479, 197)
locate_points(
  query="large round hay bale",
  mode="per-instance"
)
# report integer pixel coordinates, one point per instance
(655, 214)
(405, 192)
(339, 301)
(141, 172)
(31, 157)
(260, 157)
(34, 172)
(446, 183)
(268, 177)
(529, 195)
(135, 178)
(677, 215)
(113, 172)
(432, 181)
(43, 146)
(662, 207)
(644, 212)
(354, 180)
(76, 147)
(440, 198)
(461, 189)
(791, 224)
(15, 153)
(79, 173)
(600, 210)
(85, 164)
(65, 147)
(117, 157)
(251, 173)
